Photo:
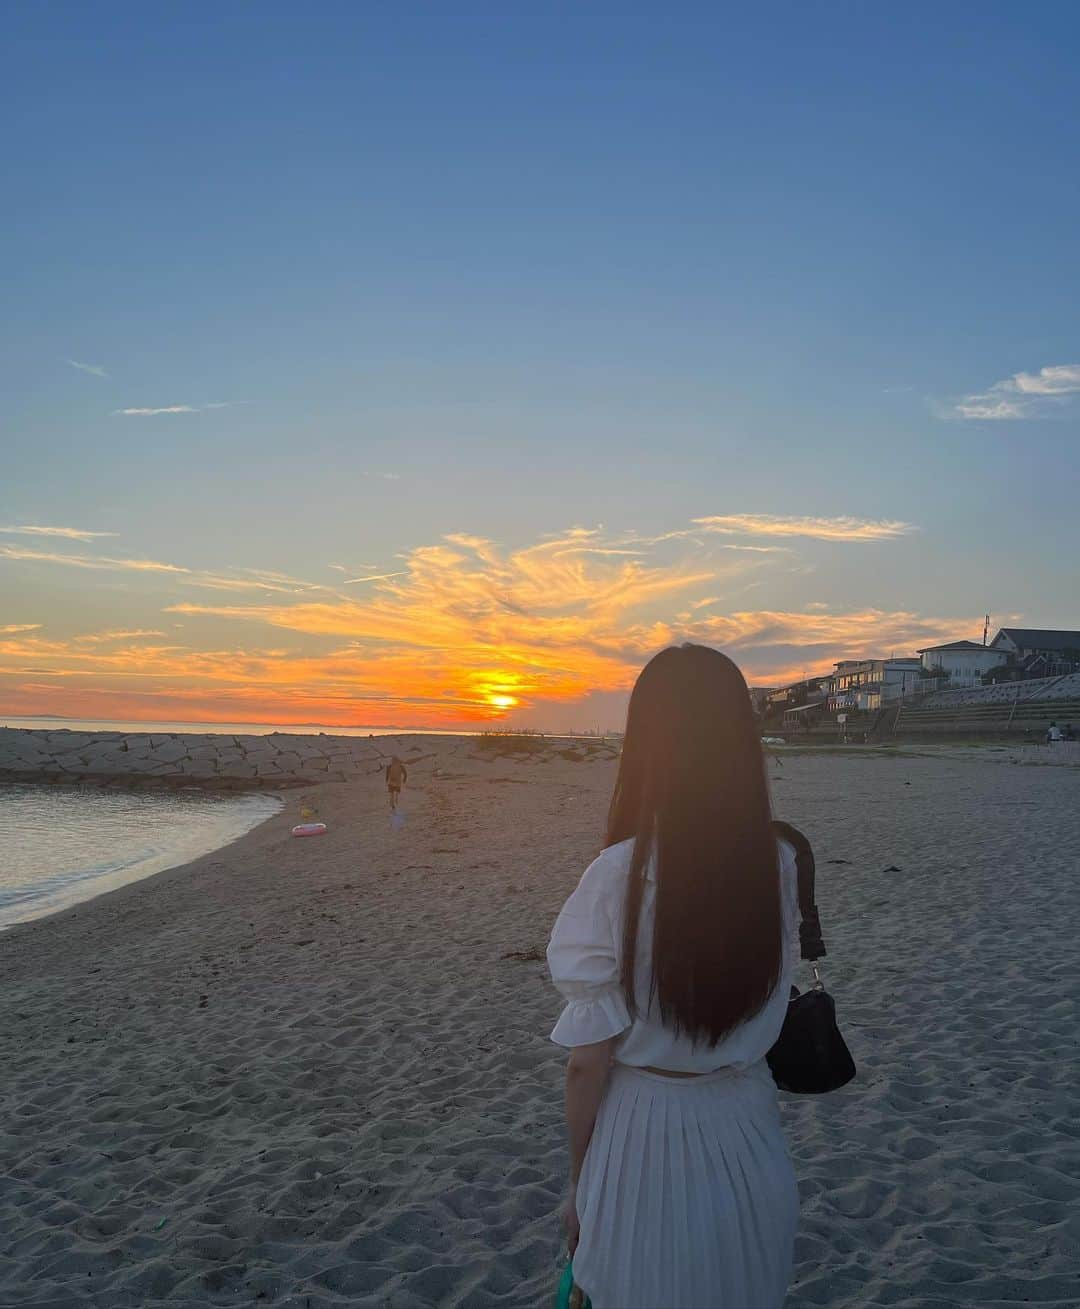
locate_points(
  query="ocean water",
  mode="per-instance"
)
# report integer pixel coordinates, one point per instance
(228, 729)
(64, 844)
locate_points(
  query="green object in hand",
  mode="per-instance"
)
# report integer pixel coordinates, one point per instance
(570, 1296)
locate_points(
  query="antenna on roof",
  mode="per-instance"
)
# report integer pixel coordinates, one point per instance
(986, 629)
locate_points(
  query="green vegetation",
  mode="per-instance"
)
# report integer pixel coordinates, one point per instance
(500, 742)
(497, 741)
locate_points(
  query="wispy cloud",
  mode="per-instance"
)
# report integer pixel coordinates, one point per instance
(386, 477)
(1024, 395)
(175, 409)
(150, 413)
(88, 561)
(602, 551)
(272, 575)
(779, 645)
(377, 577)
(844, 528)
(133, 634)
(8, 629)
(990, 407)
(758, 549)
(251, 579)
(94, 369)
(219, 582)
(69, 533)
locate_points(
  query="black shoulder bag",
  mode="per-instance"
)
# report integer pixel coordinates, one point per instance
(810, 1056)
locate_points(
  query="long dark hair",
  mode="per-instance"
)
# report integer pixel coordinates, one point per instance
(691, 790)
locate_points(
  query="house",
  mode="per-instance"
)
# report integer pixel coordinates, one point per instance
(958, 664)
(1038, 652)
(777, 699)
(794, 695)
(804, 716)
(872, 683)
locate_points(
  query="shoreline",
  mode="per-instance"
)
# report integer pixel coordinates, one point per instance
(84, 883)
(236, 847)
(318, 1071)
(368, 762)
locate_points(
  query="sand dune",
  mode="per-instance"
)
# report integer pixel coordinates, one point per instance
(315, 1073)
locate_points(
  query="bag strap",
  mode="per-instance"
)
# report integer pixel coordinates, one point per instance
(811, 942)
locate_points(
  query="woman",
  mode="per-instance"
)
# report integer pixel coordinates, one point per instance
(675, 955)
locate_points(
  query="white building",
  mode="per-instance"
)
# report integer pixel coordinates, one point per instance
(962, 663)
(873, 683)
(900, 679)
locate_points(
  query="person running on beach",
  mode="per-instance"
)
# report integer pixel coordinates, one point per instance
(396, 777)
(675, 956)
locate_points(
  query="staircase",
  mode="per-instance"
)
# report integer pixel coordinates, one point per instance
(885, 723)
(1016, 718)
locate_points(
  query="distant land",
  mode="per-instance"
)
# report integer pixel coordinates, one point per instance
(61, 722)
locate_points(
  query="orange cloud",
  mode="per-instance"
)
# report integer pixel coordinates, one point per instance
(464, 632)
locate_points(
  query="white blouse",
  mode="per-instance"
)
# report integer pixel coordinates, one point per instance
(584, 958)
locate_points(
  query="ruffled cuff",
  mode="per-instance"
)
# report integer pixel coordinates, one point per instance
(598, 1018)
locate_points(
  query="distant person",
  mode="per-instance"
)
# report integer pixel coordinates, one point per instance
(1067, 733)
(396, 777)
(1053, 733)
(675, 955)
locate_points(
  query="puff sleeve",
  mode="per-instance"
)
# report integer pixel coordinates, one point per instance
(583, 959)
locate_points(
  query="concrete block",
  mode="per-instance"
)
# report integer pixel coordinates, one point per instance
(169, 752)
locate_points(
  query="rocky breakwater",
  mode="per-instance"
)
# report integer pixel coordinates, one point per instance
(175, 758)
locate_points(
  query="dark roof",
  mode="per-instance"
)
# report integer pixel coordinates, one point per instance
(1037, 638)
(954, 645)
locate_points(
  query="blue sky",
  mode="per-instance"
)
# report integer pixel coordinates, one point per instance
(512, 270)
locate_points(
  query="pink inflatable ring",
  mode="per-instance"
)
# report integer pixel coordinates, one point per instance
(309, 829)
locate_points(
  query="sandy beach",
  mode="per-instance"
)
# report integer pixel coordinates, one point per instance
(316, 1073)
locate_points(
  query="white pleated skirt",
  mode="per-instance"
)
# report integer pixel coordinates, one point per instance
(687, 1197)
